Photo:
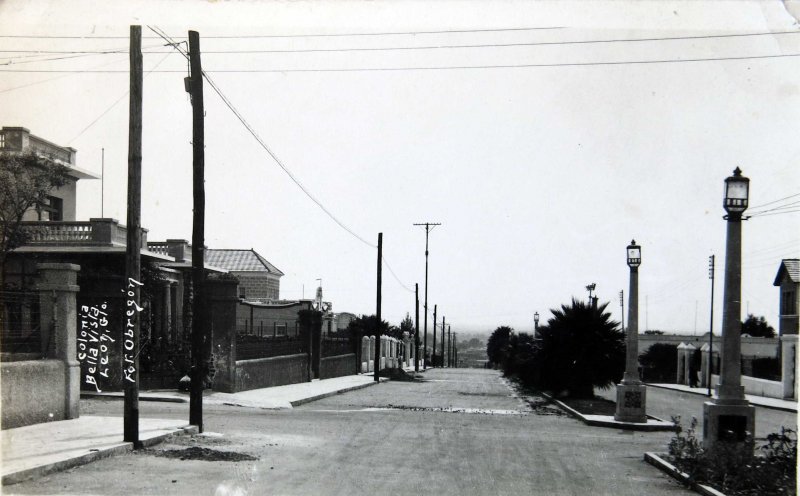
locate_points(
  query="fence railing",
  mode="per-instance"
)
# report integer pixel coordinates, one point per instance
(337, 346)
(19, 322)
(250, 347)
(95, 232)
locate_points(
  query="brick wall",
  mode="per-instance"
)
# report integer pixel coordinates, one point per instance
(258, 285)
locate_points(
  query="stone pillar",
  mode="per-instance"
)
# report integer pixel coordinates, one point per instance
(222, 299)
(58, 315)
(705, 365)
(681, 366)
(166, 312)
(789, 366)
(687, 364)
(365, 356)
(371, 361)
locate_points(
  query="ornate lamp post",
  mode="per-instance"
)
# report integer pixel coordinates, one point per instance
(729, 417)
(536, 325)
(631, 393)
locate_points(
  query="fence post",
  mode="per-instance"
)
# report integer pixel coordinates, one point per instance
(58, 315)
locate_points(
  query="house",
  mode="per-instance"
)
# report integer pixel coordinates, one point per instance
(788, 280)
(259, 280)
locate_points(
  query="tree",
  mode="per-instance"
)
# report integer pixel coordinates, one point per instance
(407, 325)
(497, 346)
(660, 363)
(580, 348)
(364, 325)
(757, 327)
(25, 181)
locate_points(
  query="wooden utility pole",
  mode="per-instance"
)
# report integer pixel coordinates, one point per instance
(378, 311)
(433, 352)
(199, 313)
(449, 348)
(443, 325)
(455, 350)
(416, 330)
(130, 360)
(429, 226)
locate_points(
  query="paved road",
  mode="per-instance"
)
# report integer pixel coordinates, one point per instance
(460, 432)
(664, 403)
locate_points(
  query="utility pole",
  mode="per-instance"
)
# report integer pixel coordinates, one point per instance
(455, 350)
(711, 324)
(449, 347)
(378, 311)
(102, 181)
(130, 364)
(429, 226)
(433, 352)
(443, 355)
(199, 315)
(416, 329)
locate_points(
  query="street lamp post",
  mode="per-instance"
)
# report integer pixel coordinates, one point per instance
(631, 393)
(536, 325)
(729, 418)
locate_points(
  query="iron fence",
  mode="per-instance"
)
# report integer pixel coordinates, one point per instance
(249, 347)
(19, 322)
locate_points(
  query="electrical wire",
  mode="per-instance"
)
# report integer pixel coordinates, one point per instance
(438, 47)
(107, 110)
(438, 68)
(774, 201)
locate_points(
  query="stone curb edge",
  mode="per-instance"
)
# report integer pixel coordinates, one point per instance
(618, 425)
(143, 397)
(333, 393)
(698, 393)
(673, 471)
(49, 468)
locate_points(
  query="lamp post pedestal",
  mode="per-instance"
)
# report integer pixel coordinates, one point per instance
(631, 393)
(729, 418)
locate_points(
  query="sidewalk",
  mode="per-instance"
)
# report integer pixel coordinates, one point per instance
(36, 450)
(763, 401)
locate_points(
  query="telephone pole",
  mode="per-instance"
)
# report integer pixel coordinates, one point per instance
(131, 348)
(455, 350)
(199, 315)
(429, 226)
(433, 353)
(378, 311)
(711, 324)
(416, 329)
(449, 347)
(443, 322)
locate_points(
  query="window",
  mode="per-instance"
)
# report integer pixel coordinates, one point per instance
(280, 329)
(2, 140)
(789, 303)
(52, 209)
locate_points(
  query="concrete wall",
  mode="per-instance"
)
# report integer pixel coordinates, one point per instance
(757, 387)
(337, 366)
(32, 391)
(751, 347)
(258, 285)
(268, 372)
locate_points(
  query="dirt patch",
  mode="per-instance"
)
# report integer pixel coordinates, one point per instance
(199, 453)
(591, 406)
(542, 406)
(485, 395)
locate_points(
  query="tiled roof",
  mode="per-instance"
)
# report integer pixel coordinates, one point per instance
(790, 266)
(240, 260)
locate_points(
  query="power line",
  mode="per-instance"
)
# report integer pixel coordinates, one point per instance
(779, 207)
(34, 83)
(437, 47)
(311, 35)
(774, 201)
(107, 110)
(434, 68)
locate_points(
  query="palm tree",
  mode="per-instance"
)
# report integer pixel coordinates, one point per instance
(580, 348)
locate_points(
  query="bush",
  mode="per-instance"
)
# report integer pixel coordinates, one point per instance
(660, 363)
(732, 469)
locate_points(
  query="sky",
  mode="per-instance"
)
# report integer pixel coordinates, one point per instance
(543, 136)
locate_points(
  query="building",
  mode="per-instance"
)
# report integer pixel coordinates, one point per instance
(259, 280)
(61, 201)
(788, 280)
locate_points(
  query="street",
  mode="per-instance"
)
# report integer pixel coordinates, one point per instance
(458, 432)
(664, 404)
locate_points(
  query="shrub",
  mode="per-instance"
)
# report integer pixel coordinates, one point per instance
(734, 470)
(660, 363)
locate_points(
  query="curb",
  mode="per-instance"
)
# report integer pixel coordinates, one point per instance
(697, 393)
(124, 447)
(145, 397)
(302, 401)
(673, 471)
(630, 426)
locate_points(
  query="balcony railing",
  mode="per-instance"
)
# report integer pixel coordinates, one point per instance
(95, 232)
